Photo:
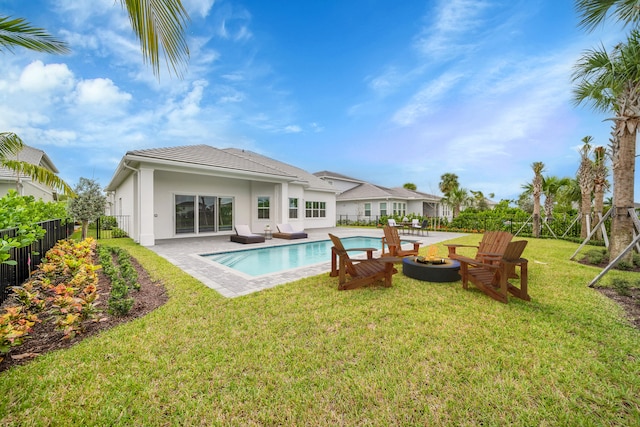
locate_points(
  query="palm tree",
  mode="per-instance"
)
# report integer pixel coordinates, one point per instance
(19, 33)
(537, 167)
(448, 183)
(600, 184)
(611, 83)
(456, 198)
(158, 24)
(594, 12)
(551, 186)
(410, 186)
(585, 179)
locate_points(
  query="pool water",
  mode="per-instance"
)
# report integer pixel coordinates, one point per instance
(256, 262)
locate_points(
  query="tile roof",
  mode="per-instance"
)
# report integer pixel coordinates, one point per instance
(303, 176)
(30, 155)
(205, 155)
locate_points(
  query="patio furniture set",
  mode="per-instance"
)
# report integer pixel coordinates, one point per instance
(498, 260)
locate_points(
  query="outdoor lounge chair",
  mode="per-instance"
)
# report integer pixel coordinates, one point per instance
(392, 241)
(492, 246)
(492, 277)
(286, 231)
(244, 235)
(361, 272)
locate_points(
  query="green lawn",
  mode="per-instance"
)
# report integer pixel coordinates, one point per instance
(306, 354)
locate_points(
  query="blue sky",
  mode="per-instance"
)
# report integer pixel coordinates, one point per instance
(384, 91)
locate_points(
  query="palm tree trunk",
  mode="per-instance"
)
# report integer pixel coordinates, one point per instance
(585, 211)
(623, 189)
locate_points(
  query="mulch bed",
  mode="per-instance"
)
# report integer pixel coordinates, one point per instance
(44, 337)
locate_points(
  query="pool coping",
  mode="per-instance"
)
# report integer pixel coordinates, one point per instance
(186, 253)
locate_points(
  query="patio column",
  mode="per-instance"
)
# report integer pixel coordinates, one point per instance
(283, 214)
(147, 235)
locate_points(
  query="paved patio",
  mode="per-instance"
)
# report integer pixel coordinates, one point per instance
(185, 253)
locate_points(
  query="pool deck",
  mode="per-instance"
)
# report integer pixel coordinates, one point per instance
(185, 253)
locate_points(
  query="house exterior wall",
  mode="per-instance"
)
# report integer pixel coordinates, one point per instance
(329, 220)
(29, 188)
(169, 184)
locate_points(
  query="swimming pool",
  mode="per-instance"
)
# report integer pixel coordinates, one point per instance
(256, 262)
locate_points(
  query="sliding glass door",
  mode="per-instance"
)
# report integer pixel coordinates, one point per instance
(210, 210)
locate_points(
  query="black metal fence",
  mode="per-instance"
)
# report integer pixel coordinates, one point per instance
(111, 226)
(29, 257)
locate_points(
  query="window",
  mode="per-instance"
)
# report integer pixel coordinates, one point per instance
(206, 213)
(383, 208)
(263, 207)
(185, 214)
(399, 209)
(293, 208)
(367, 209)
(225, 213)
(315, 209)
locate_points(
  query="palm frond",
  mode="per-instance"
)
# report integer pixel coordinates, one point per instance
(593, 12)
(16, 32)
(160, 24)
(39, 174)
(10, 144)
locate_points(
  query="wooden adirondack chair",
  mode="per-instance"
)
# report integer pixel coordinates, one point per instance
(491, 248)
(492, 277)
(362, 272)
(392, 240)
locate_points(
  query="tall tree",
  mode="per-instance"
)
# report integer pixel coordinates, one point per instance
(551, 186)
(159, 25)
(456, 199)
(594, 12)
(585, 179)
(610, 82)
(410, 186)
(600, 184)
(89, 203)
(538, 168)
(448, 183)
(19, 33)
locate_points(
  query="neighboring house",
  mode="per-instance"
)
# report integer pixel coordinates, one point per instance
(362, 200)
(23, 184)
(200, 190)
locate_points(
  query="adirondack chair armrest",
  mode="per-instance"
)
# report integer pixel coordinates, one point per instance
(476, 263)
(452, 247)
(369, 251)
(390, 259)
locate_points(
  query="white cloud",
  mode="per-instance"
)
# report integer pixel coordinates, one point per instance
(201, 7)
(292, 129)
(426, 100)
(100, 92)
(38, 78)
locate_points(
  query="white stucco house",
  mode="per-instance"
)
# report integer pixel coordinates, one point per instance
(200, 190)
(362, 200)
(24, 185)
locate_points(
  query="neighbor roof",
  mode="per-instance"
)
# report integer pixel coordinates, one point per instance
(30, 155)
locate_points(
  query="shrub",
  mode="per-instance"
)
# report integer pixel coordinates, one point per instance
(108, 222)
(117, 233)
(595, 256)
(621, 286)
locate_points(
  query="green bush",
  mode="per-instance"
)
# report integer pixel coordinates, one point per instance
(595, 256)
(621, 286)
(108, 222)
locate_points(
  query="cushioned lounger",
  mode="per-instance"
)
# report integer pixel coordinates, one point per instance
(244, 235)
(285, 231)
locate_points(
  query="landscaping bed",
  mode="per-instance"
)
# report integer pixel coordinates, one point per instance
(45, 336)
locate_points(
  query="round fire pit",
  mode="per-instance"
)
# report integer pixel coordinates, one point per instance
(446, 272)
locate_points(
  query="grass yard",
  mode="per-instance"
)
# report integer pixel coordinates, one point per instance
(306, 354)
